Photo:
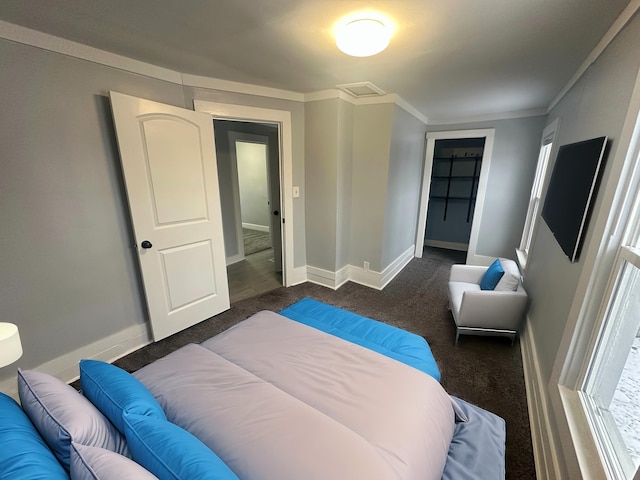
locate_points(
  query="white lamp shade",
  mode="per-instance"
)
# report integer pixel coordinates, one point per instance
(10, 346)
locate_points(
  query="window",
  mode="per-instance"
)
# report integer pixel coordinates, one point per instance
(536, 193)
(611, 387)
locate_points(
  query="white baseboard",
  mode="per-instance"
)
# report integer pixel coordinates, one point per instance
(368, 278)
(544, 449)
(234, 259)
(396, 266)
(107, 349)
(463, 247)
(253, 226)
(296, 277)
(320, 276)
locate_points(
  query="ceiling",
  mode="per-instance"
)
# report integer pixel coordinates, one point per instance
(449, 59)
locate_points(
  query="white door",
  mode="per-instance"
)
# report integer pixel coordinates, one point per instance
(169, 163)
(273, 175)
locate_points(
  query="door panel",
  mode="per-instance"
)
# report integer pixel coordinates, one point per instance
(169, 165)
(178, 195)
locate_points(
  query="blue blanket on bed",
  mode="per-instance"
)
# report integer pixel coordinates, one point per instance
(393, 342)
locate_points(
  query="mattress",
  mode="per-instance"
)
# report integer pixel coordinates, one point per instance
(406, 347)
(278, 399)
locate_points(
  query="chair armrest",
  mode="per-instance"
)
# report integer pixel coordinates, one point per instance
(492, 309)
(467, 273)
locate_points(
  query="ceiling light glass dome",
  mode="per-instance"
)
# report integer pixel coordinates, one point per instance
(363, 37)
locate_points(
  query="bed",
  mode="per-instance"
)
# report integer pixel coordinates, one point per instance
(278, 398)
(311, 392)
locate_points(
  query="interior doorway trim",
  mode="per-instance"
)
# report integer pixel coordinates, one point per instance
(227, 111)
(488, 134)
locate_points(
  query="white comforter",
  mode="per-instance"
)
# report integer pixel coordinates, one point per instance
(276, 399)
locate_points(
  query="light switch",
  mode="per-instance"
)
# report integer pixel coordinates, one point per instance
(296, 192)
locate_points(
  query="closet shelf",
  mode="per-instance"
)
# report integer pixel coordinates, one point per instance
(462, 180)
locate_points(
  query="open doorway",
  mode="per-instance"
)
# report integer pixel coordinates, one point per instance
(249, 177)
(457, 163)
(469, 198)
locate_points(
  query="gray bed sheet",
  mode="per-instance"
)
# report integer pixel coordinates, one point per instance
(477, 450)
(276, 399)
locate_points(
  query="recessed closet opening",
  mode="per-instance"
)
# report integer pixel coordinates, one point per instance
(454, 180)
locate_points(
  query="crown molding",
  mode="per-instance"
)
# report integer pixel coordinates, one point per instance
(238, 87)
(372, 100)
(611, 34)
(534, 112)
(44, 41)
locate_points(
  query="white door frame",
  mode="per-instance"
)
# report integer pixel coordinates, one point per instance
(227, 111)
(488, 134)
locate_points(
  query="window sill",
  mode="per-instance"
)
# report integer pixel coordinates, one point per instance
(586, 451)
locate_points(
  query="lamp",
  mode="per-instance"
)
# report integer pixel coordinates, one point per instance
(363, 35)
(10, 346)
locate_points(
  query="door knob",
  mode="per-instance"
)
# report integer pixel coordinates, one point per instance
(146, 244)
(276, 212)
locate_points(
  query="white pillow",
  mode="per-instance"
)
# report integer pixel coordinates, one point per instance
(93, 463)
(511, 278)
(62, 415)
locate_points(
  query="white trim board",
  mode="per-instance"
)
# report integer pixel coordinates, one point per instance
(488, 134)
(369, 278)
(283, 119)
(108, 349)
(544, 449)
(255, 226)
(51, 43)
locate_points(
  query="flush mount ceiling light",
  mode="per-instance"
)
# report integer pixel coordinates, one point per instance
(363, 35)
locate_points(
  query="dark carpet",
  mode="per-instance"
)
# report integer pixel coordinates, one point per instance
(255, 241)
(485, 371)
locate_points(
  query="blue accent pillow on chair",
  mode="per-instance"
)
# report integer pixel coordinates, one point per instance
(492, 276)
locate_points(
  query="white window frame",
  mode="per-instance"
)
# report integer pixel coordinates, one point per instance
(617, 224)
(611, 338)
(535, 199)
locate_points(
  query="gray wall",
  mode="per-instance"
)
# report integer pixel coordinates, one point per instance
(595, 106)
(69, 271)
(406, 161)
(253, 182)
(321, 142)
(372, 126)
(344, 183)
(513, 164)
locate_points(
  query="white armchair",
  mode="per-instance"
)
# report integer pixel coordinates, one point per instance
(486, 312)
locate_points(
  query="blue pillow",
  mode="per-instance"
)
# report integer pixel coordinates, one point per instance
(492, 276)
(24, 453)
(115, 391)
(171, 453)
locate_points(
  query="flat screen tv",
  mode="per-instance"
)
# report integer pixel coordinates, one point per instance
(572, 191)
